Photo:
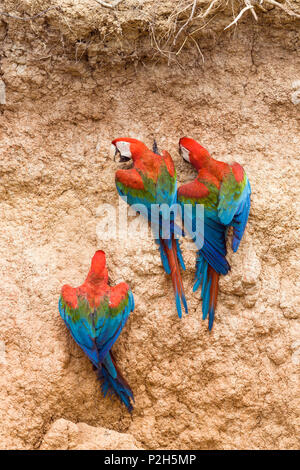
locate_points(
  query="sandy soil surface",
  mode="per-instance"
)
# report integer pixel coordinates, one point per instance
(70, 82)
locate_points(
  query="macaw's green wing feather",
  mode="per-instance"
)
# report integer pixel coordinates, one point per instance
(136, 188)
(166, 186)
(234, 189)
(140, 188)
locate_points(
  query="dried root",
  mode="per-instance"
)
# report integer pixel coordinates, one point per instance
(109, 5)
(251, 4)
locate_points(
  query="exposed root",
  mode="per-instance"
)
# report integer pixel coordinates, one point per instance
(109, 5)
(212, 4)
(282, 7)
(28, 18)
(251, 4)
(190, 13)
(187, 22)
(247, 7)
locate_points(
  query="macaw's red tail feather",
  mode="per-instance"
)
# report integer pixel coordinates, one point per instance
(115, 384)
(214, 287)
(172, 257)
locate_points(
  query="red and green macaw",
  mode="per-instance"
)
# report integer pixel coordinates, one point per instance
(224, 191)
(95, 315)
(150, 183)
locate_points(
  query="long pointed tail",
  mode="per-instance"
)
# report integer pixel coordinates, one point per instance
(113, 382)
(171, 258)
(209, 279)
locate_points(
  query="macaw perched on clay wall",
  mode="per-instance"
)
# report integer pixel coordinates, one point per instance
(151, 182)
(95, 315)
(224, 191)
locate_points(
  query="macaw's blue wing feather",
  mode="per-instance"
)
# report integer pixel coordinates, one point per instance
(136, 198)
(110, 329)
(96, 329)
(240, 218)
(81, 327)
(208, 234)
(113, 382)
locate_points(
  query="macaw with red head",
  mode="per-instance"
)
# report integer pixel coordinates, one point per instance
(224, 191)
(152, 183)
(95, 315)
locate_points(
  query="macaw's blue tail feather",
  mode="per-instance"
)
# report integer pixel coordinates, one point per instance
(163, 255)
(179, 255)
(209, 279)
(178, 303)
(114, 384)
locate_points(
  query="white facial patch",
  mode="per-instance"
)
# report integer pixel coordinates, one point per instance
(112, 151)
(185, 154)
(124, 149)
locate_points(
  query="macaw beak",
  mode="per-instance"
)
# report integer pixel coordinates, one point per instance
(181, 154)
(122, 157)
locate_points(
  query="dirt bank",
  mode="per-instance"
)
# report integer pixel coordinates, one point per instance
(72, 80)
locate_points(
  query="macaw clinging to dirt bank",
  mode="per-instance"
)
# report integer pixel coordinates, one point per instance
(152, 181)
(95, 314)
(224, 191)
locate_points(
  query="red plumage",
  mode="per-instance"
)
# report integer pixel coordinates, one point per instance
(95, 286)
